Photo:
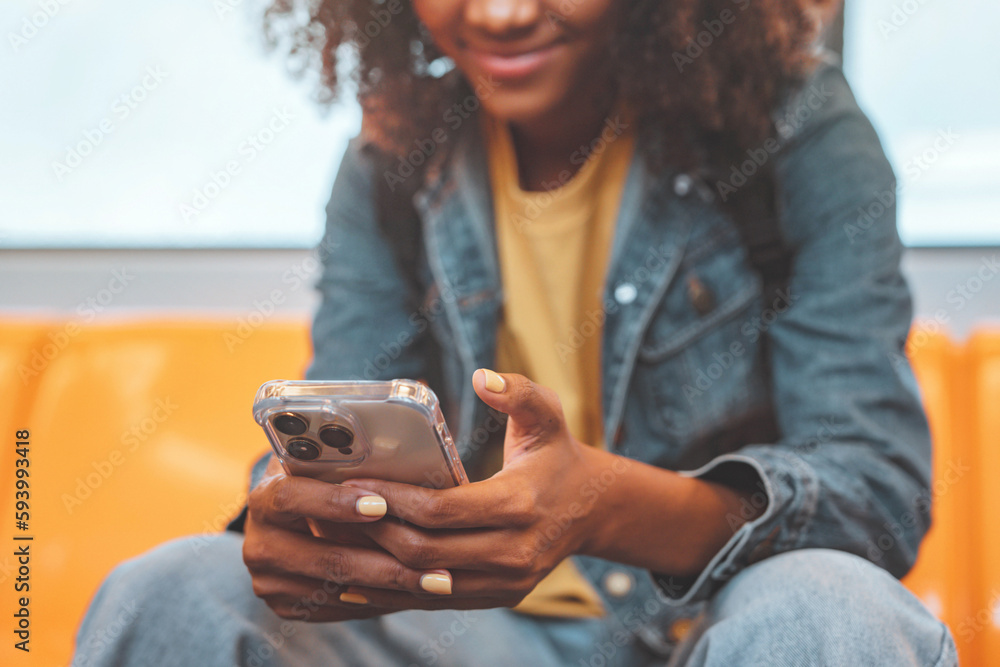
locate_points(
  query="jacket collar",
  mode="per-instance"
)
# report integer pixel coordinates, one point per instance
(456, 207)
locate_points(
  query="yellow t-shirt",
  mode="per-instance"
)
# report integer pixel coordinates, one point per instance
(553, 249)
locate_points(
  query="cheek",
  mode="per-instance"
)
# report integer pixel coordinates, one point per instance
(593, 26)
(592, 17)
(441, 18)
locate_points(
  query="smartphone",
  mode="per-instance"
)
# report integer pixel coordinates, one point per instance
(334, 431)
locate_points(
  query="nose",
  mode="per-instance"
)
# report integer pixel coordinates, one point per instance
(501, 17)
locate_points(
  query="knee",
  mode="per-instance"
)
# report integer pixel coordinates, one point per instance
(143, 591)
(169, 568)
(826, 573)
(820, 600)
(820, 586)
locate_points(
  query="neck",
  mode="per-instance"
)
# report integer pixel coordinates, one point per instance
(548, 148)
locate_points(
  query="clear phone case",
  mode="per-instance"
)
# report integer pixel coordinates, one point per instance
(335, 431)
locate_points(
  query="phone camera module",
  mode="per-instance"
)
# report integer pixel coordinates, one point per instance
(338, 437)
(290, 423)
(303, 450)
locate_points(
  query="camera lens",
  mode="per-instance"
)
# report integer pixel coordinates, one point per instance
(303, 450)
(290, 423)
(337, 436)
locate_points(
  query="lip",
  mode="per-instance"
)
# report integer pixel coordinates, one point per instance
(514, 65)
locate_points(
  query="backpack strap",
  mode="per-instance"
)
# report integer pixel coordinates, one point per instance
(397, 218)
(756, 210)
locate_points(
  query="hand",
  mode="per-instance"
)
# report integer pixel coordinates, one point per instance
(554, 497)
(302, 577)
(485, 544)
(501, 536)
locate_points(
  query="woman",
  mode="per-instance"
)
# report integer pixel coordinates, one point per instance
(650, 210)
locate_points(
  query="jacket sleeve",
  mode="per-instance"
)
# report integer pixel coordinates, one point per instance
(365, 327)
(852, 468)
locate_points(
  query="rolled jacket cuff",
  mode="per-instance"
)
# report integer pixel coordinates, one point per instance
(784, 483)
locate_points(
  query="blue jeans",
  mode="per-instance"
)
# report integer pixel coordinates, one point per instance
(190, 602)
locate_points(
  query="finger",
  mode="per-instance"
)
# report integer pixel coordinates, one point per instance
(309, 590)
(305, 593)
(295, 609)
(388, 601)
(534, 410)
(342, 533)
(495, 502)
(274, 585)
(283, 553)
(283, 499)
(499, 552)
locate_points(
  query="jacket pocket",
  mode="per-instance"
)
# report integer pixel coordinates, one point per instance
(714, 286)
(698, 365)
(672, 338)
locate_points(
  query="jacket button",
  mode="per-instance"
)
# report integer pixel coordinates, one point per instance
(702, 298)
(618, 583)
(626, 293)
(682, 185)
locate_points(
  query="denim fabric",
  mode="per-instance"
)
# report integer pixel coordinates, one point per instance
(830, 429)
(190, 602)
(836, 443)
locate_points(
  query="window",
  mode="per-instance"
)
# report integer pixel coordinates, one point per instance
(167, 124)
(158, 124)
(926, 72)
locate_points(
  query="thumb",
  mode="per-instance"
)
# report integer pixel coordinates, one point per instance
(534, 411)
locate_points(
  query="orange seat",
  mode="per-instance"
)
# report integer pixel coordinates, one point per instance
(23, 346)
(982, 626)
(941, 577)
(140, 433)
(26, 349)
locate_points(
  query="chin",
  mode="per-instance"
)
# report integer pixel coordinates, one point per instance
(515, 107)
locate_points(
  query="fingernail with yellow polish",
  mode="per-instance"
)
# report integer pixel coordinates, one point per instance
(494, 381)
(353, 598)
(371, 506)
(436, 583)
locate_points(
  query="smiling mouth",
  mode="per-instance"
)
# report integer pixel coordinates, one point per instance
(514, 66)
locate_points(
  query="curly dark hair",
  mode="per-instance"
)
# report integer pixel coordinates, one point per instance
(703, 77)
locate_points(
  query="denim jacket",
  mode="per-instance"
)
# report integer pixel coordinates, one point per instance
(827, 426)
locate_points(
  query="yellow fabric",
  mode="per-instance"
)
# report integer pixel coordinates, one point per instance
(553, 249)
